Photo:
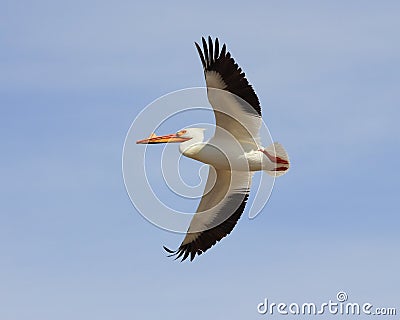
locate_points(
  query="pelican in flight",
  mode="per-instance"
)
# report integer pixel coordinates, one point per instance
(234, 153)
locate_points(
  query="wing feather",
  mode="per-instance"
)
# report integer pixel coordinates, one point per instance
(236, 105)
(237, 110)
(203, 61)
(217, 214)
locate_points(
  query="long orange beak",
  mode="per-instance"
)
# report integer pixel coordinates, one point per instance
(169, 138)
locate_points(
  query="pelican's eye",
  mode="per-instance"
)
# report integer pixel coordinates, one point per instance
(180, 133)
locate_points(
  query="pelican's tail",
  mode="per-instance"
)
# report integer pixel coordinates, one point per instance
(277, 154)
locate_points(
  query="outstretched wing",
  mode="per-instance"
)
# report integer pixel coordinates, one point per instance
(238, 113)
(220, 208)
(236, 105)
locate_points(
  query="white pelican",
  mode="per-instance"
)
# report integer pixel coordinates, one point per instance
(233, 153)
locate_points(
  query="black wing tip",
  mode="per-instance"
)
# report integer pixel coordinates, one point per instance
(210, 51)
(223, 50)
(183, 252)
(203, 61)
(169, 250)
(221, 61)
(212, 236)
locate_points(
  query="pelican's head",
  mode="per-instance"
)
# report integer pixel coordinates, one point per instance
(195, 134)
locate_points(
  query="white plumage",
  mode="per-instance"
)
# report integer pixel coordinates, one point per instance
(233, 153)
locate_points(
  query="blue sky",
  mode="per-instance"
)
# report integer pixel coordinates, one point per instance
(73, 77)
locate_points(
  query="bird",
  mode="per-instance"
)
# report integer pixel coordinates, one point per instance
(233, 154)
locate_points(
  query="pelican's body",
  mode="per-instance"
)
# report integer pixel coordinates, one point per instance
(234, 153)
(225, 153)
